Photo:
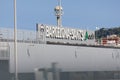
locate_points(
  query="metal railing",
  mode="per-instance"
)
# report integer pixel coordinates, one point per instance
(27, 36)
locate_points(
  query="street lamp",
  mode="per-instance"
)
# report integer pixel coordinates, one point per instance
(59, 12)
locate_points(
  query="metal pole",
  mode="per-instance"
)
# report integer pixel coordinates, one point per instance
(15, 41)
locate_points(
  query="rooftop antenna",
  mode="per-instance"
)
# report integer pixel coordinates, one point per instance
(58, 13)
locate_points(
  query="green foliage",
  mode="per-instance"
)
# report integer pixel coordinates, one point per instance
(104, 32)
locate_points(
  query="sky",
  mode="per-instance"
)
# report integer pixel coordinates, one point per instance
(83, 14)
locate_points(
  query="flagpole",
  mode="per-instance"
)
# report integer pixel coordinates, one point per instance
(15, 42)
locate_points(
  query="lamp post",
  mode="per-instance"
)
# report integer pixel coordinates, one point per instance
(15, 42)
(58, 13)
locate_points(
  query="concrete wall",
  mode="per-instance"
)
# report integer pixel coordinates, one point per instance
(76, 62)
(69, 58)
